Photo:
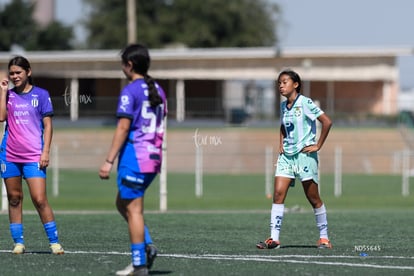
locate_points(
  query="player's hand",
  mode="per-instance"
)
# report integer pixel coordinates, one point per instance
(105, 170)
(44, 160)
(4, 85)
(311, 148)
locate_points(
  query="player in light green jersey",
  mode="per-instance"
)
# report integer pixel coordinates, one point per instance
(298, 157)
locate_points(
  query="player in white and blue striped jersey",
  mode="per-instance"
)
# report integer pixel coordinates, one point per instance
(298, 156)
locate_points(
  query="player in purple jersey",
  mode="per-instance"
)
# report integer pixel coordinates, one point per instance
(24, 153)
(138, 142)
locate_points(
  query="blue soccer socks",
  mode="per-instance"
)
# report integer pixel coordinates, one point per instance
(147, 238)
(51, 232)
(138, 254)
(16, 230)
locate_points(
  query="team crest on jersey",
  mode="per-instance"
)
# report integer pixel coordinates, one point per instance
(298, 112)
(35, 102)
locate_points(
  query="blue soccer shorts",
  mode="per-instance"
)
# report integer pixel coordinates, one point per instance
(27, 170)
(131, 184)
(301, 165)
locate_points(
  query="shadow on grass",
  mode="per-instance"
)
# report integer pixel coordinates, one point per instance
(158, 272)
(37, 252)
(298, 246)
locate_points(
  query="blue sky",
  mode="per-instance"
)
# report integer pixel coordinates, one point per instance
(347, 23)
(354, 23)
(327, 23)
(71, 12)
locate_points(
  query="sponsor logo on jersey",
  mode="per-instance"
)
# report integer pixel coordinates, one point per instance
(124, 102)
(19, 113)
(24, 105)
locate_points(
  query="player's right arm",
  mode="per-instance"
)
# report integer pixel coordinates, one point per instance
(120, 136)
(281, 137)
(4, 86)
(326, 126)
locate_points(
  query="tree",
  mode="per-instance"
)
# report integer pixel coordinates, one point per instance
(54, 37)
(16, 27)
(106, 24)
(193, 23)
(19, 28)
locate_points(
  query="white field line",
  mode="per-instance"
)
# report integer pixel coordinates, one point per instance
(261, 258)
(281, 259)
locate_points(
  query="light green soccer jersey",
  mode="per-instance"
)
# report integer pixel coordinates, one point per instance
(299, 123)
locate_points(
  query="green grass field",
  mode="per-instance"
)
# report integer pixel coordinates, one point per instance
(216, 234)
(83, 190)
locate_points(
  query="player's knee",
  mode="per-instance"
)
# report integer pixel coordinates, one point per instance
(316, 202)
(15, 201)
(40, 203)
(278, 197)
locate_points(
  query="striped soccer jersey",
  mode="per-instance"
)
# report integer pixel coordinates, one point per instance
(299, 123)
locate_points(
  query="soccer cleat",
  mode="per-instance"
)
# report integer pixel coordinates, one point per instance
(324, 243)
(18, 248)
(268, 244)
(56, 249)
(131, 270)
(126, 271)
(151, 251)
(140, 271)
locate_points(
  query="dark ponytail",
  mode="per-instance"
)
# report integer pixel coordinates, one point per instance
(153, 95)
(139, 56)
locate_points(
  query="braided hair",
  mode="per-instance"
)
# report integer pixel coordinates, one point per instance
(139, 56)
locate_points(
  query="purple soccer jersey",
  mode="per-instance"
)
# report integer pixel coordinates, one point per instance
(147, 131)
(23, 137)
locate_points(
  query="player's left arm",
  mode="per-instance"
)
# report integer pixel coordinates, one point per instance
(47, 141)
(326, 124)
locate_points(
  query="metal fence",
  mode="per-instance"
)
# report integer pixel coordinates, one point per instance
(213, 140)
(235, 140)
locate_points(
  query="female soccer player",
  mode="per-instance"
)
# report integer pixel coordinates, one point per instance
(298, 157)
(138, 141)
(24, 153)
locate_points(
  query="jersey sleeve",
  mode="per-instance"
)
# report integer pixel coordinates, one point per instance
(311, 110)
(46, 106)
(125, 107)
